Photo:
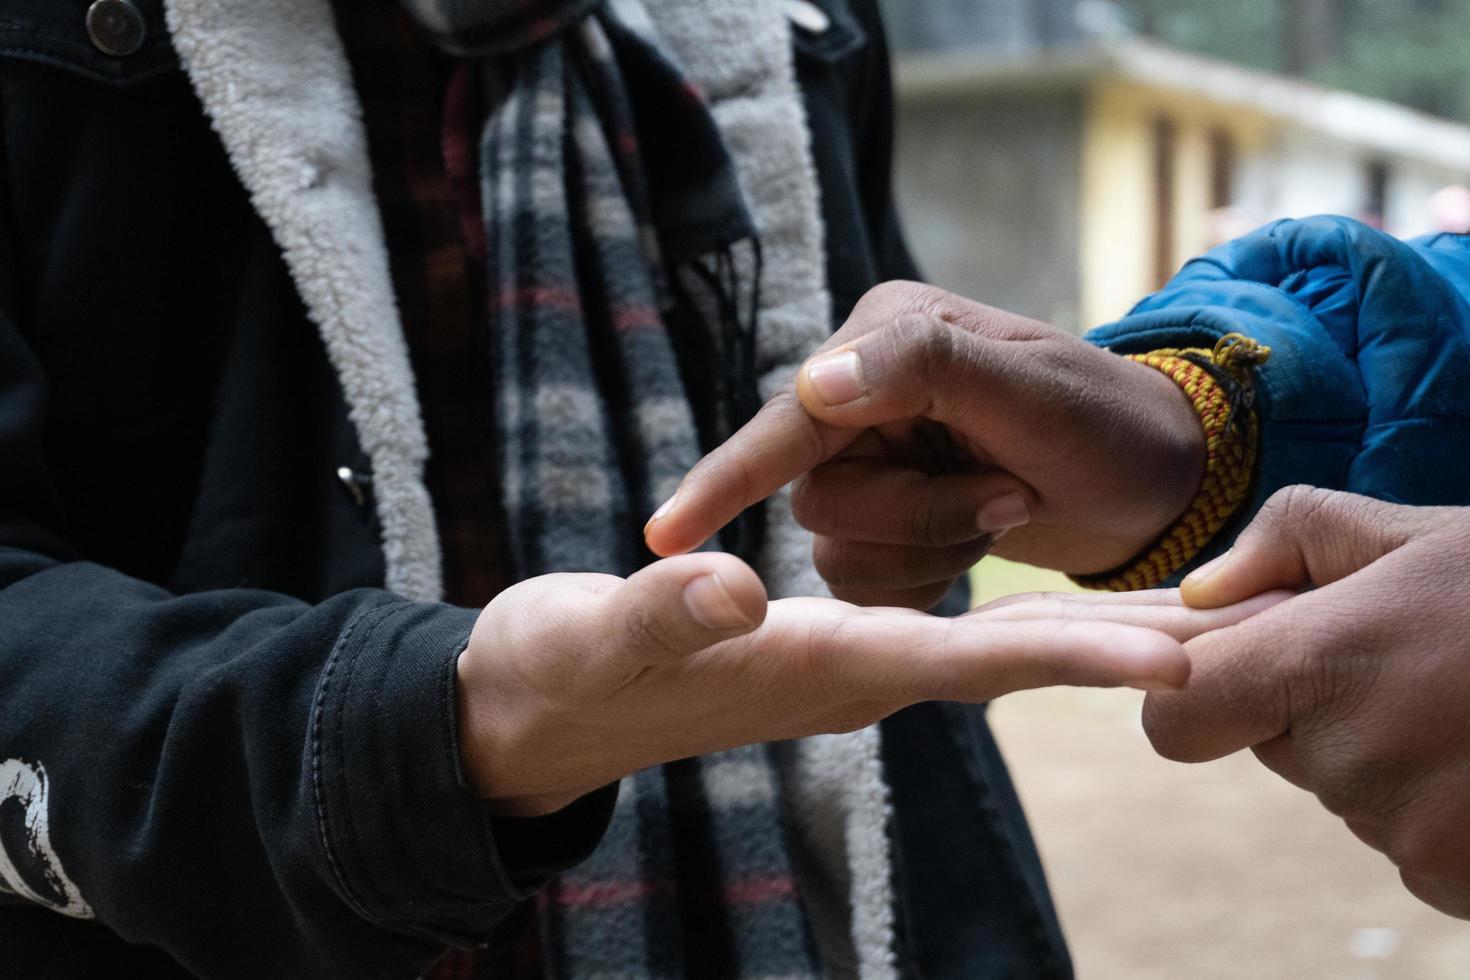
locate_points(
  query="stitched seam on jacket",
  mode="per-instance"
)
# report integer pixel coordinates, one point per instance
(1275, 289)
(318, 791)
(353, 837)
(449, 712)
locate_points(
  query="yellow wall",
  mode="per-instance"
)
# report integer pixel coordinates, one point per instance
(1118, 214)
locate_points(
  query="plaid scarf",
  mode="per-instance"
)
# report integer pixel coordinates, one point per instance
(611, 216)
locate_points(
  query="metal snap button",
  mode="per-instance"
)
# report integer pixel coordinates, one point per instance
(359, 485)
(116, 27)
(806, 15)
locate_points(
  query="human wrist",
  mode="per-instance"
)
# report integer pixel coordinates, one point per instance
(499, 746)
(1220, 386)
(386, 765)
(1177, 456)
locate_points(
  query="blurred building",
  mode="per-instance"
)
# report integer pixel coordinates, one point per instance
(996, 26)
(1051, 164)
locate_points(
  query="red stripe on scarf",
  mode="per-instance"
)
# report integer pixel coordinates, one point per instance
(585, 893)
(747, 891)
(532, 296)
(457, 147)
(755, 891)
(637, 318)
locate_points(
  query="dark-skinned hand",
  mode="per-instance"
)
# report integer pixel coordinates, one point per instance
(930, 425)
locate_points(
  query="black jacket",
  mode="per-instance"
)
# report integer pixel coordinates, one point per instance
(220, 739)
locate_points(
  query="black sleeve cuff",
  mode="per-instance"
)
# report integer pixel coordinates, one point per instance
(412, 845)
(536, 849)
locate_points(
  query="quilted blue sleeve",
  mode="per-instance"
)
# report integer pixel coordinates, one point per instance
(1368, 386)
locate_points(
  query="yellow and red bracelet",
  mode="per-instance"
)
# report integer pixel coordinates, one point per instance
(1220, 384)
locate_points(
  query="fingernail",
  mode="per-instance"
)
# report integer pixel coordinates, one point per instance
(1003, 513)
(663, 509)
(838, 378)
(709, 602)
(1200, 575)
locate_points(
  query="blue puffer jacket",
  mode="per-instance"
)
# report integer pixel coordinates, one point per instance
(1368, 386)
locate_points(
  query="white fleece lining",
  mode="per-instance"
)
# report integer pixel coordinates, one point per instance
(741, 56)
(275, 82)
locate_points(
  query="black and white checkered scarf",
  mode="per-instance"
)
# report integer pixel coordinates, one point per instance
(612, 218)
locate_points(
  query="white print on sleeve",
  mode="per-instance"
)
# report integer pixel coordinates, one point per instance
(28, 865)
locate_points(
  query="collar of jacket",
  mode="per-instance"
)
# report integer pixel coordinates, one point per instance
(275, 82)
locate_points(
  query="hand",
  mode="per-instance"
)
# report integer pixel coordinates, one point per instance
(929, 425)
(572, 681)
(1358, 691)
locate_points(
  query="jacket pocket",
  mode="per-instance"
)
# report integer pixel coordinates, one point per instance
(57, 33)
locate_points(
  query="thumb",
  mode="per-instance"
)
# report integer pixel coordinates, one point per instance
(1303, 537)
(919, 366)
(679, 606)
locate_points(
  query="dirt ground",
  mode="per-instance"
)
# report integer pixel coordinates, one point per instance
(1198, 872)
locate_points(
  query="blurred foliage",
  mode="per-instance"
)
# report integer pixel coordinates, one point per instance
(1412, 51)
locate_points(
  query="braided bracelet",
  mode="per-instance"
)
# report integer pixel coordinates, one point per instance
(1220, 384)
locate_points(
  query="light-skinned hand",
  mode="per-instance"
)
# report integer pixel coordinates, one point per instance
(572, 681)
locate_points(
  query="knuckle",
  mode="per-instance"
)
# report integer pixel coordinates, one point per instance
(810, 502)
(1417, 850)
(1438, 894)
(926, 597)
(834, 561)
(1358, 772)
(920, 598)
(824, 672)
(891, 297)
(1327, 681)
(847, 566)
(1347, 792)
(923, 341)
(852, 595)
(786, 411)
(945, 534)
(1291, 504)
(926, 528)
(646, 634)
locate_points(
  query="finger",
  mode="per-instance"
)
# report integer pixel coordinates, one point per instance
(678, 606)
(924, 365)
(934, 341)
(780, 444)
(1240, 694)
(981, 660)
(1303, 536)
(858, 565)
(884, 656)
(1157, 609)
(873, 501)
(920, 598)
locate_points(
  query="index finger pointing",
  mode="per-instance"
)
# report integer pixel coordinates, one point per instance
(780, 444)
